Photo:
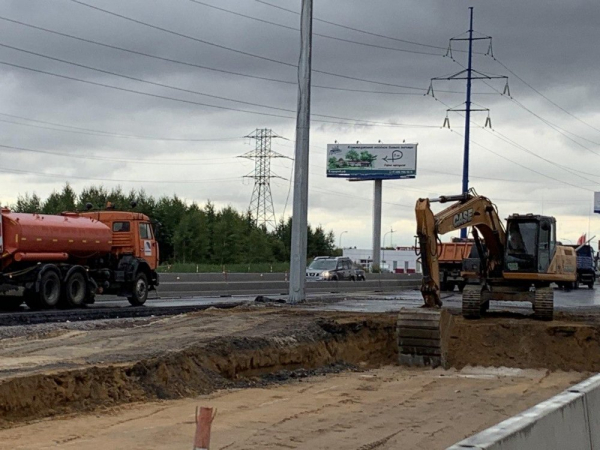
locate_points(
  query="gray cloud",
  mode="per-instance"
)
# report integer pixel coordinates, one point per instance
(551, 45)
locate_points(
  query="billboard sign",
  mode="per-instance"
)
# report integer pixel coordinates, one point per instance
(372, 161)
(597, 202)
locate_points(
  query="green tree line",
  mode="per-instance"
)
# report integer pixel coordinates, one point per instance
(188, 233)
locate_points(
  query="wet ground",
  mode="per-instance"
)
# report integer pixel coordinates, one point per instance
(579, 300)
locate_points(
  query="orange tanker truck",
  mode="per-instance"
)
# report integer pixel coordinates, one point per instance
(65, 260)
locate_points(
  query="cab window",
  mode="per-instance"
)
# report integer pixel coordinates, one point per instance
(121, 227)
(145, 231)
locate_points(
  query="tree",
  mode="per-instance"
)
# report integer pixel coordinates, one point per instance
(59, 202)
(28, 204)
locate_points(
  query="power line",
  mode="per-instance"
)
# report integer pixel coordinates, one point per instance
(199, 66)
(91, 132)
(545, 121)
(326, 36)
(223, 47)
(526, 167)
(545, 97)
(346, 27)
(522, 148)
(189, 162)
(359, 121)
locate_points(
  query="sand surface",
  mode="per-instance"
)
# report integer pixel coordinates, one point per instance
(387, 408)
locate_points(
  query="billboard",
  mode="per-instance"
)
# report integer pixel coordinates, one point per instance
(597, 202)
(372, 161)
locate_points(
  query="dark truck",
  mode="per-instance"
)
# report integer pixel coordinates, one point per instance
(586, 266)
(450, 261)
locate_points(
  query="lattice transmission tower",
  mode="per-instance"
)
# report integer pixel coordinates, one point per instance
(261, 203)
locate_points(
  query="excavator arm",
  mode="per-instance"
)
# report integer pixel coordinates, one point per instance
(468, 210)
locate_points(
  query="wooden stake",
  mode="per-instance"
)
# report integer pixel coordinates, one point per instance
(204, 419)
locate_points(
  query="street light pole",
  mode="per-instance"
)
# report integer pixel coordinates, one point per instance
(383, 244)
(341, 234)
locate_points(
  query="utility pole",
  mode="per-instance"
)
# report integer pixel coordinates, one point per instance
(467, 74)
(261, 202)
(300, 211)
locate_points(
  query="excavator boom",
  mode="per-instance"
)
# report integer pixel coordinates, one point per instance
(468, 210)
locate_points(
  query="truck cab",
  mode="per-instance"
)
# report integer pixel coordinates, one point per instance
(132, 234)
(134, 252)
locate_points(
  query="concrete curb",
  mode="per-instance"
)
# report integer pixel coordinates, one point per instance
(569, 420)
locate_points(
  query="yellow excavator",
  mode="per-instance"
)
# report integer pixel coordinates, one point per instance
(517, 263)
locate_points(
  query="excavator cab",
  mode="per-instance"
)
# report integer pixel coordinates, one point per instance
(530, 243)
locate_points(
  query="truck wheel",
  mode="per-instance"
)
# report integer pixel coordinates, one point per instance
(49, 293)
(591, 285)
(75, 290)
(139, 290)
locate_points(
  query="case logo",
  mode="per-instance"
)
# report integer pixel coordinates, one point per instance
(462, 217)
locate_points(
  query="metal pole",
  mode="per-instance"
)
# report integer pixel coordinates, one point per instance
(465, 183)
(377, 225)
(300, 209)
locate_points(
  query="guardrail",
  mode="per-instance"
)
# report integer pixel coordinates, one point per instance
(567, 421)
(273, 284)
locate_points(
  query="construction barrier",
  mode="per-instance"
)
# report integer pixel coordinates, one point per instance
(569, 420)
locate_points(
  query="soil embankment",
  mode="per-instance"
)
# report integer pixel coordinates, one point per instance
(568, 343)
(284, 341)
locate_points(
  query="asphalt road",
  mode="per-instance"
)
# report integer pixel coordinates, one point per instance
(584, 300)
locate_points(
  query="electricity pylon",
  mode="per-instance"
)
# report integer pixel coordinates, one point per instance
(261, 203)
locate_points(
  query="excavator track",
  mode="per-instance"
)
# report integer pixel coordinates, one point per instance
(471, 302)
(543, 304)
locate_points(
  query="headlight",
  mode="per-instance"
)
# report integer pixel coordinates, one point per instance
(325, 274)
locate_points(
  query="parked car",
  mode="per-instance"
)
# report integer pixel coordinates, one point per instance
(331, 268)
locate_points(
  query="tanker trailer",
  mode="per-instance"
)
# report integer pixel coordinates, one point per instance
(65, 260)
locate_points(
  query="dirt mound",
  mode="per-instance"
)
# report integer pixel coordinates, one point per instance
(520, 342)
(220, 363)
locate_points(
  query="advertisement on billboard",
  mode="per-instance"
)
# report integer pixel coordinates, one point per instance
(597, 202)
(372, 161)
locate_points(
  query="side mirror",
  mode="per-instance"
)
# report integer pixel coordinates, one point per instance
(546, 226)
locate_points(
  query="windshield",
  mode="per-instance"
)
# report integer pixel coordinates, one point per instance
(521, 246)
(323, 264)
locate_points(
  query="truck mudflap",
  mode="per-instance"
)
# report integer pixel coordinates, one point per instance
(154, 279)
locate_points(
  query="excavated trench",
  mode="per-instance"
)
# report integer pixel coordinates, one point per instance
(318, 346)
(291, 345)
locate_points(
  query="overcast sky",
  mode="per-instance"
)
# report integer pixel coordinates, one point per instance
(170, 142)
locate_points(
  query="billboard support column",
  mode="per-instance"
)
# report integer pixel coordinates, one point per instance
(377, 225)
(297, 292)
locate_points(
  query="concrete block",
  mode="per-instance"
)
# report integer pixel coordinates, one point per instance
(590, 389)
(559, 423)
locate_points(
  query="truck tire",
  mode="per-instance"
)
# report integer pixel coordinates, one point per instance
(471, 302)
(590, 285)
(139, 290)
(543, 304)
(49, 293)
(75, 290)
